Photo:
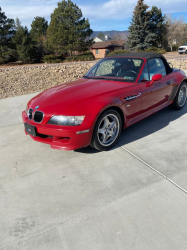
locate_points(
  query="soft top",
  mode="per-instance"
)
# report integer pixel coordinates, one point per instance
(146, 55)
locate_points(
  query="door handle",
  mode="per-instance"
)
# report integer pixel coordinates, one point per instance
(168, 83)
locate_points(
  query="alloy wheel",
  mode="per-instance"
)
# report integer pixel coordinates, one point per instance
(182, 96)
(108, 130)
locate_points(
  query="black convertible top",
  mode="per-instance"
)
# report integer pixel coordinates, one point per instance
(147, 55)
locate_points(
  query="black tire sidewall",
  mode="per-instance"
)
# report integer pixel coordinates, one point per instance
(175, 104)
(95, 142)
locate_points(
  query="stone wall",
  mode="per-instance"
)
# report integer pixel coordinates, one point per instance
(178, 64)
(26, 80)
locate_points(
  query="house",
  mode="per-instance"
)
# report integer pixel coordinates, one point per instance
(97, 40)
(101, 49)
(105, 38)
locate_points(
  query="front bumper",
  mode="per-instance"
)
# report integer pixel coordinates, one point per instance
(63, 137)
(182, 51)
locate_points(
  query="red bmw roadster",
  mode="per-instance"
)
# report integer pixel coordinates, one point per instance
(117, 92)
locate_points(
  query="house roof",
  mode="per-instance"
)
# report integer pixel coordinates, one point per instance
(108, 44)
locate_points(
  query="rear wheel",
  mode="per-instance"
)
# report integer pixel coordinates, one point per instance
(180, 98)
(107, 130)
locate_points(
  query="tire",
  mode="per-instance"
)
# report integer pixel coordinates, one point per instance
(107, 130)
(180, 98)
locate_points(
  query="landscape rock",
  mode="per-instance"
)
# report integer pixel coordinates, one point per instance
(15, 81)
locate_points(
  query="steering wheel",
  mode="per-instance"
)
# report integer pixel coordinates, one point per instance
(130, 71)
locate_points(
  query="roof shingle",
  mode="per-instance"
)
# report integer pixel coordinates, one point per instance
(108, 44)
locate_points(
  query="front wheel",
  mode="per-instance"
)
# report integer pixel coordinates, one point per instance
(107, 130)
(180, 98)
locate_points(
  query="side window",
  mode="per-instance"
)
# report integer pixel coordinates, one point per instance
(156, 66)
(145, 74)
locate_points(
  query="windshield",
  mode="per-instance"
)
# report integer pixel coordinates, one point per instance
(120, 69)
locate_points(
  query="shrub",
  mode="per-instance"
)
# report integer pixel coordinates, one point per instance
(87, 53)
(121, 51)
(175, 47)
(86, 56)
(154, 49)
(52, 59)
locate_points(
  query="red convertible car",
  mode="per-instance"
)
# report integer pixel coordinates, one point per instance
(116, 93)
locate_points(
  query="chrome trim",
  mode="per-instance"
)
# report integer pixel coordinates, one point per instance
(34, 115)
(82, 132)
(28, 114)
(131, 97)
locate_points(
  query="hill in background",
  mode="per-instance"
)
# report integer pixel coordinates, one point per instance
(114, 34)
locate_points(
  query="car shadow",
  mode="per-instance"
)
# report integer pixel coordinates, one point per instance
(143, 128)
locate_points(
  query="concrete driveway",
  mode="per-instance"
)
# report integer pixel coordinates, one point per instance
(132, 197)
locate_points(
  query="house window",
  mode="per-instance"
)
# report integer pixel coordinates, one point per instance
(107, 51)
(97, 52)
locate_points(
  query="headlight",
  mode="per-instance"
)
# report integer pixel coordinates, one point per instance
(66, 120)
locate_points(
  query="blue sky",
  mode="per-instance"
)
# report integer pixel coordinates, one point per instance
(103, 14)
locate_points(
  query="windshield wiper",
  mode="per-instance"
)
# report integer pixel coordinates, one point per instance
(87, 77)
(104, 78)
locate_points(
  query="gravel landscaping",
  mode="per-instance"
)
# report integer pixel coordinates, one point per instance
(15, 81)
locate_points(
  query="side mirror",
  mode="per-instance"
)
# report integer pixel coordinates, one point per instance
(155, 78)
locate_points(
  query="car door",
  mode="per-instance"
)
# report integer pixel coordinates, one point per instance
(156, 94)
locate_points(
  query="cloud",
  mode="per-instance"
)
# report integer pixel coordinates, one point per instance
(27, 12)
(113, 10)
(123, 9)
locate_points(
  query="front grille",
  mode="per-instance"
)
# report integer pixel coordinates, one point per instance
(30, 111)
(181, 48)
(38, 116)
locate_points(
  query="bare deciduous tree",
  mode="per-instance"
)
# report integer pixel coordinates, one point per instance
(118, 36)
(176, 31)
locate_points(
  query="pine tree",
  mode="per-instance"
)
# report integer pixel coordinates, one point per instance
(38, 29)
(6, 31)
(157, 28)
(17, 24)
(138, 30)
(23, 44)
(68, 30)
(38, 35)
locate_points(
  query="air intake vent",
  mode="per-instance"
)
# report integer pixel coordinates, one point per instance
(30, 111)
(38, 116)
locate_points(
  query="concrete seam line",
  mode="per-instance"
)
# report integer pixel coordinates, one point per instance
(145, 163)
(72, 218)
(91, 210)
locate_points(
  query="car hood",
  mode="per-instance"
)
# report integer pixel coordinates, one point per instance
(65, 99)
